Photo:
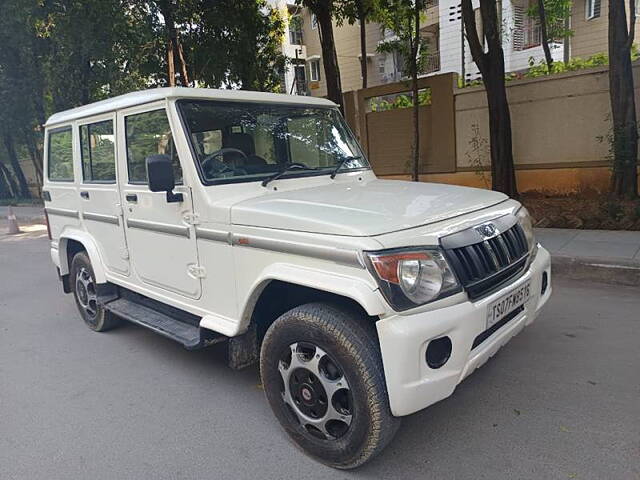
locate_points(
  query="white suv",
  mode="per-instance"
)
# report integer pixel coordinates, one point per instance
(254, 219)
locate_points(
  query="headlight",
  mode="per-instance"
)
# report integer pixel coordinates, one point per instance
(409, 278)
(524, 220)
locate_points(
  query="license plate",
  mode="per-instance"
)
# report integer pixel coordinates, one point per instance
(506, 304)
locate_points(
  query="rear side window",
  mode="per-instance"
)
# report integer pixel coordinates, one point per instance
(149, 134)
(98, 152)
(60, 156)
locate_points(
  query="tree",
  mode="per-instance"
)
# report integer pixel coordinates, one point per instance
(324, 10)
(624, 180)
(246, 37)
(176, 63)
(491, 66)
(358, 11)
(402, 17)
(552, 16)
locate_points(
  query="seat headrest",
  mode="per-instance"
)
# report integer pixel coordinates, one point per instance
(241, 141)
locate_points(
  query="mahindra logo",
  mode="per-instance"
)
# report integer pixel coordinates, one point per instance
(487, 230)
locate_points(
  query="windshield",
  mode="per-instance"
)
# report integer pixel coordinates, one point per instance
(252, 141)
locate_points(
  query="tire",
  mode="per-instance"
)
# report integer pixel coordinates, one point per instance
(326, 349)
(83, 285)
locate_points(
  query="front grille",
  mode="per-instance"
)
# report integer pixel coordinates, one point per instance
(485, 265)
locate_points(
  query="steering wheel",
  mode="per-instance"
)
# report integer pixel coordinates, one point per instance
(219, 167)
(296, 165)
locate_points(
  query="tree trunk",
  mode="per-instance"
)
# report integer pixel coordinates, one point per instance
(624, 179)
(415, 173)
(545, 36)
(15, 166)
(183, 64)
(171, 66)
(491, 66)
(8, 188)
(175, 54)
(329, 56)
(363, 46)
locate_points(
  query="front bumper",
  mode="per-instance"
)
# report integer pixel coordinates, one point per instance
(411, 384)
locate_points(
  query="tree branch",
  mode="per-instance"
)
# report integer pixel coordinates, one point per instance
(632, 23)
(471, 29)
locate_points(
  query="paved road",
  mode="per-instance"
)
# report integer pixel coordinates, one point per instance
(560, 401)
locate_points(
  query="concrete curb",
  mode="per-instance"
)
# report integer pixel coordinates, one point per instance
(603, 270)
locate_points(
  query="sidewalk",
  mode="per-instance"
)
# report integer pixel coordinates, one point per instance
(25, 215)
(614, 245)
(598, 255)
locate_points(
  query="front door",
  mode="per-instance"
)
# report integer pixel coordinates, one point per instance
(161, 241)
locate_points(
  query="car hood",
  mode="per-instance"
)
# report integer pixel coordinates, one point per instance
(361, 208)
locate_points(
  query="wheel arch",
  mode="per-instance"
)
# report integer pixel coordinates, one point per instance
(285, 286)
(70, 243)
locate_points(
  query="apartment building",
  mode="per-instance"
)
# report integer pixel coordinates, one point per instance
(442, 29)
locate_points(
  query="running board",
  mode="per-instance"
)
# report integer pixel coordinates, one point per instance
(191, 336)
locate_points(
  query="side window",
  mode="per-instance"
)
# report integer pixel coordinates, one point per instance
(98, 152)
(147, 134)
(60, 156)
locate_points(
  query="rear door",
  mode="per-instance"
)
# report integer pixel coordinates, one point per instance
(62, 204)
(161, 240)
(98, 192)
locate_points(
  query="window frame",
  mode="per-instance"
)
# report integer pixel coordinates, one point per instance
(590, 9)
(230, 180)
(91, 121)
(313, 78)
(50, 132)
(125, 141)
(314, 21)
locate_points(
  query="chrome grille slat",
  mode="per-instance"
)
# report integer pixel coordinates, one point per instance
(483, 266)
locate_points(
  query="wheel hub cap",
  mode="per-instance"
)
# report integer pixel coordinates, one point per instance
(316, 391)
(86, 293)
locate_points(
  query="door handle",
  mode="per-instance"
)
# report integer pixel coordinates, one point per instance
(131, 198)
(85, 195)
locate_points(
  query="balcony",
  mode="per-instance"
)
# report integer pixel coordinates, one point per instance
(431, 62)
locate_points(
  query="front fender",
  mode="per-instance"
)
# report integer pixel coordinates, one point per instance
(89, 245)
(353, 287)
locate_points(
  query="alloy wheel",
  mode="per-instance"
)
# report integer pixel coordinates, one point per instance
(86, 293)
(315, 391)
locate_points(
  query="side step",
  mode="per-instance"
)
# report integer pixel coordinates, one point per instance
(189, 335)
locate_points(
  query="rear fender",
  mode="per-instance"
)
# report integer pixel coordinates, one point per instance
(89, 245)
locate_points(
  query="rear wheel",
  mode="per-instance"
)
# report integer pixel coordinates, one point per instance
(322, 374)
(84, 291)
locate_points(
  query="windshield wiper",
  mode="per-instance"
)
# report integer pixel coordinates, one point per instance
(340, 164)
(290, 166)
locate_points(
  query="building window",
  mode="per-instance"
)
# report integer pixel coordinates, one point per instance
(295, 30)
(97, 148)
(527, 32)
(314, 21)
(314, 70)
(60, 155)
(592, 9)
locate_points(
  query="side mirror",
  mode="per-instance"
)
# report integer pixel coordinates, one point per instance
(161, 178)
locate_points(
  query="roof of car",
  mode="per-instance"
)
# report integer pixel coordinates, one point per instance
(152, 95)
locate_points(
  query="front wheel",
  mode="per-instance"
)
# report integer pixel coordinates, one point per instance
(322, 374)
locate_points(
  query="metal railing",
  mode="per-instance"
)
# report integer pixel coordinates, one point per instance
(431, 62)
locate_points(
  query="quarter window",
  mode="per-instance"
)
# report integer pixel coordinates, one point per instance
(148, 134)
(97, 147)
(60, 164)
